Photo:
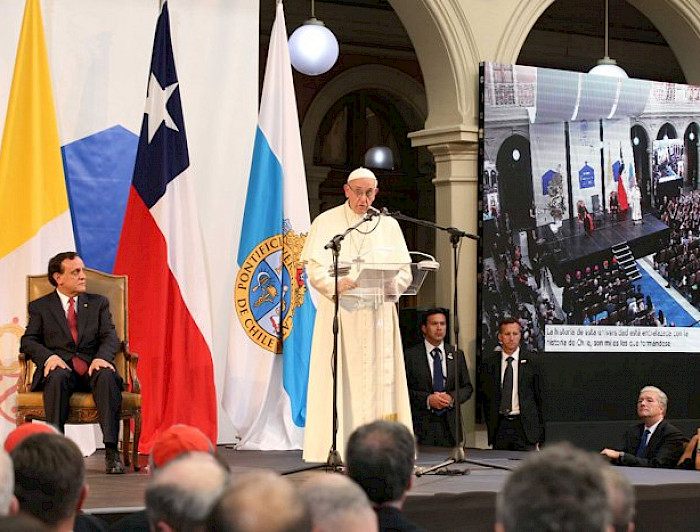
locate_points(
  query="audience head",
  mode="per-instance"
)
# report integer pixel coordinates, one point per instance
(260, 501)
(559, 489)
(176, 441)
(24, 430)
(183, 492)
(621, 499)
(651, 404)
(8, 502)
(380, 458)
(49, 478)
(337, 503)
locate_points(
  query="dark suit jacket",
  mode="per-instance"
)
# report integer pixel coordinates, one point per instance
(530, 394)
(48, 333)
(134, 522)
(89, 523)
(393, 520)
(664, 449)
(420, 386)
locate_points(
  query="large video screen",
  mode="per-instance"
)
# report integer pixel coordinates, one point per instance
(590, 210)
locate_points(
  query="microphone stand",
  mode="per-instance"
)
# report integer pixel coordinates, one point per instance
(457, 454)
(333, 461)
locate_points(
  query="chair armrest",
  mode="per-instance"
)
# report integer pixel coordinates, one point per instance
(688, 448)
(24, 384)
(132, 360)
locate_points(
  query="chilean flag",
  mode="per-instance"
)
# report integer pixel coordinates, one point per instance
(161, 251)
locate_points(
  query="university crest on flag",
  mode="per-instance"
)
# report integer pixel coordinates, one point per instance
(270, 285)
(272, 327)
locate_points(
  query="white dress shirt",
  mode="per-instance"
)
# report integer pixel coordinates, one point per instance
(652, 429)
(64, 302)
(443, 359)
(428, 350)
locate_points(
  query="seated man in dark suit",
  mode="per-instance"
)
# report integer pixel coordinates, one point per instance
(654, 442)
(431, 367)
(71, 339)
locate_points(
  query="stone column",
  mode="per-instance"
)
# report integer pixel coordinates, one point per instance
(315, 176)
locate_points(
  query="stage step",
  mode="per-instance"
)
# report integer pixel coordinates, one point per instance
(625, 259)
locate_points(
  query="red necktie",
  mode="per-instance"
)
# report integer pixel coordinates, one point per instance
(79, 365)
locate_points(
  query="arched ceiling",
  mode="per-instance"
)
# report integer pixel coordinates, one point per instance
(569, 35)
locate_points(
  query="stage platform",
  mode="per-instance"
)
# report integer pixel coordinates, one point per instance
(570, 247)
(667, 499)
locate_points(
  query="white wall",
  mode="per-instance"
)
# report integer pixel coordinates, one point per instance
(99, 53)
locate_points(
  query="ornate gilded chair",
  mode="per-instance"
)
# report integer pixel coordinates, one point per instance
(30, 405)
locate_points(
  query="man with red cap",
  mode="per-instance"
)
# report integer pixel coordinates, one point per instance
(25, 430)
(371, 373)
(169, 445)
(176, 441)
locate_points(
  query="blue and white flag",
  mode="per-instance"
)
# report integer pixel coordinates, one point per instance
(272, 323)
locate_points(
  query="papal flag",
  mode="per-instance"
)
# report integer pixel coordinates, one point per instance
(35, 221)
(161, 250)
(272, 323)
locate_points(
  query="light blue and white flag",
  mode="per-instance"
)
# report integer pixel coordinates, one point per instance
(272, 323)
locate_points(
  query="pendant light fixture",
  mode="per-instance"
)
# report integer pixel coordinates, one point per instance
(380, 157)
(607, 66)
(313, 49)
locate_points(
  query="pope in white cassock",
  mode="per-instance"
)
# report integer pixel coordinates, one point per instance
(635, 196)
(371, 372)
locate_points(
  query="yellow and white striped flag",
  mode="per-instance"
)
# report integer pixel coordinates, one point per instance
(35, 221)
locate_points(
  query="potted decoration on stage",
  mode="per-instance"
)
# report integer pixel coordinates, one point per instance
(553, 189)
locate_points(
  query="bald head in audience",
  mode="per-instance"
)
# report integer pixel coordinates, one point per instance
(337, 503)
(380, 458)
(560, 489)
(183, 492)
(260, 501)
